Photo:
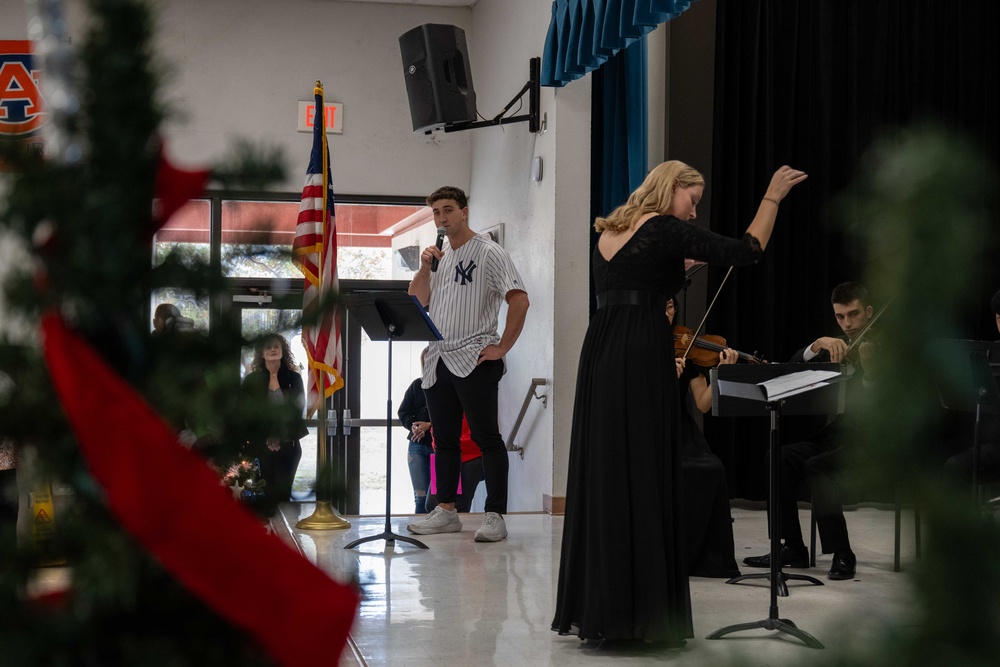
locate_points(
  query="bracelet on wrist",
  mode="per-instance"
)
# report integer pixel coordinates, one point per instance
(772, 200)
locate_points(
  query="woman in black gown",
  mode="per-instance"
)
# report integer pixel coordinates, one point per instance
(623, 567)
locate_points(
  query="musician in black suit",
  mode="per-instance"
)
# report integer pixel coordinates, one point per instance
(814, 464)
(960, 464)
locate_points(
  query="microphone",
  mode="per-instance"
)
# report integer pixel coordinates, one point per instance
(440, 241)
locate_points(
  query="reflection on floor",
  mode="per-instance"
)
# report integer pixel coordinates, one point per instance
(460, 602)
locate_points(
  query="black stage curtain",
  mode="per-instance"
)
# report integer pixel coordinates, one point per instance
(812, 84)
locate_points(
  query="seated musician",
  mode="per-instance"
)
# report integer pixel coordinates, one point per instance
(960, 464)
(708, 523)
(813, 464)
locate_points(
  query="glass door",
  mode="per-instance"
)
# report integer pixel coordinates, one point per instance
(257, 319)
(246, 239)
(367, 392)
(364, 476)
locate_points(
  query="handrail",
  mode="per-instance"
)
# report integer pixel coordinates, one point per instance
(535, 382)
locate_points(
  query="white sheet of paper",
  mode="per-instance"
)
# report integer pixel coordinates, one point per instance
(796, 383)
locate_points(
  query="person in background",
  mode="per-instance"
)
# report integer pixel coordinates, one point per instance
(274, 377)
(167, 319)
(708, 522)
(9, 459)
(469, 477)
(959, 465)
(814, 465)
(416, 420)
(8, 491)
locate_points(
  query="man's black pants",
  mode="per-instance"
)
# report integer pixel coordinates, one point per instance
(475, 396)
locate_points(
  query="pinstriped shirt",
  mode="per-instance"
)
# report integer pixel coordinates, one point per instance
(466, 293)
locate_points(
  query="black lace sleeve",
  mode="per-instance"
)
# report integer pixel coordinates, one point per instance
(653, 259)
(706, 246)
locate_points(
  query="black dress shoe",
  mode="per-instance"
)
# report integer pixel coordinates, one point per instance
(789, 558)
(843, 566)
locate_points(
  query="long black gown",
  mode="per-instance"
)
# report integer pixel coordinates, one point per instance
(623, 567)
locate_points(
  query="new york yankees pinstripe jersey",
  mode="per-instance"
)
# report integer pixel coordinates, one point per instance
(466, 293)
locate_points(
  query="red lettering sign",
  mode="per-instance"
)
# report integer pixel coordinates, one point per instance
(331, 115)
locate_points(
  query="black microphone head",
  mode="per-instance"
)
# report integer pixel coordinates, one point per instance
(440, 241)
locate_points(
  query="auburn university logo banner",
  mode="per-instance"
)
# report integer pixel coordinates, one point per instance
(21, 114)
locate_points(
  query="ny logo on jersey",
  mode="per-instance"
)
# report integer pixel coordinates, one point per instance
(464, 273)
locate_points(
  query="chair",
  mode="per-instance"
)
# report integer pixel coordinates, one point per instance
(896, 539)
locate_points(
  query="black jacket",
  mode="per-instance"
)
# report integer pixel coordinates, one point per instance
(255, 388)
(414, 409)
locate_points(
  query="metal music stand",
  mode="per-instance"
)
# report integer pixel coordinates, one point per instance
(973, 388)
(737, 392)
(391, 316)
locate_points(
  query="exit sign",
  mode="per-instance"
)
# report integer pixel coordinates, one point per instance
(334, 117)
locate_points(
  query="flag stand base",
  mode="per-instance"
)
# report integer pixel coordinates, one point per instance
(323, 518)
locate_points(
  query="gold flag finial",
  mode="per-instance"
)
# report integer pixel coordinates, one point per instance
(318, 90)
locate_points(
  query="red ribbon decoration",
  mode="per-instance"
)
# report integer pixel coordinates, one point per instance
(211, 544)
(175, 187)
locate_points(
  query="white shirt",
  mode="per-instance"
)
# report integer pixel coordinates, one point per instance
(466, 293)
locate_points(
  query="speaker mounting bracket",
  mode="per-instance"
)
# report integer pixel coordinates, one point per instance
(532, 88)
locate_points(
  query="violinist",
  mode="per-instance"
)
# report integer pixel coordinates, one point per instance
(708, 523)
(853, 314)
(812, 466)
(960, 464)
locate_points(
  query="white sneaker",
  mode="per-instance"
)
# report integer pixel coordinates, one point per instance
(493, 529)
(438, 521)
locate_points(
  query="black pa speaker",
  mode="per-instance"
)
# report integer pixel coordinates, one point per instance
(438, 76)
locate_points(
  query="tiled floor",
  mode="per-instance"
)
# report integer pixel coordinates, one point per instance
(466, 603)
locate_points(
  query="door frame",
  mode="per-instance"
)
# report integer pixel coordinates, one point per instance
(351, 334)
(287, 295)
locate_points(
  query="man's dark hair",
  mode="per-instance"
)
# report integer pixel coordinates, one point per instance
(845, 293)
(995, 303)
(165, 311)
(449, 192)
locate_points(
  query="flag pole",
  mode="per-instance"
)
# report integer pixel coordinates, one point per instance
(324, 517)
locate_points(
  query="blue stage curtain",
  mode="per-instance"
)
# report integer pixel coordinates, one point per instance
(618, 143)
(624, 145)
(583, 34)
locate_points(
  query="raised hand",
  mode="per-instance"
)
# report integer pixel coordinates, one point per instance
(784, 180)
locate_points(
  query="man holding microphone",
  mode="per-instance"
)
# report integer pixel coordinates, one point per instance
(463, 294)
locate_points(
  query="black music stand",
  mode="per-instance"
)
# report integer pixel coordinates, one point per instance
(739, 391)
(391, 316)
(973, 388)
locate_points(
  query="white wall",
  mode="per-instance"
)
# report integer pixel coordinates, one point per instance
(546, 231)
(241, 66)
(237, 69)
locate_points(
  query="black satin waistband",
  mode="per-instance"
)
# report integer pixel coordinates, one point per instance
(629, 297)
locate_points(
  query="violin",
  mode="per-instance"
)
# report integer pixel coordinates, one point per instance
(853, 355)
(705, 350)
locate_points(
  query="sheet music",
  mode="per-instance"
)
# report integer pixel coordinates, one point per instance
(795, 383)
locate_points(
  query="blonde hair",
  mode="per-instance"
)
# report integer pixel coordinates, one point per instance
(653, 196)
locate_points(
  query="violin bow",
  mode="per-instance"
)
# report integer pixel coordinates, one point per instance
(694, 336)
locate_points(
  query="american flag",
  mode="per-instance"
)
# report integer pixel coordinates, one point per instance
(315, 253)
